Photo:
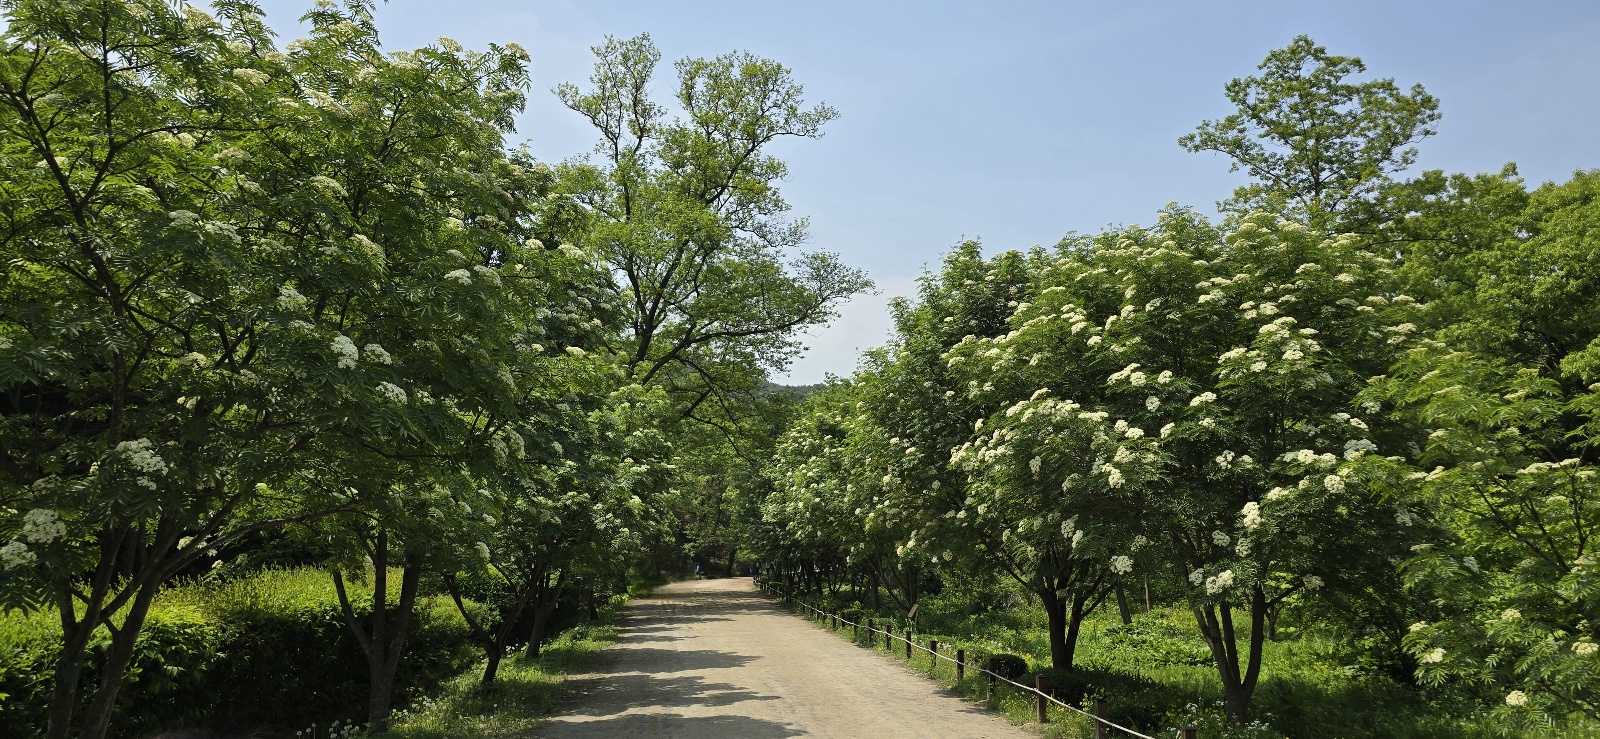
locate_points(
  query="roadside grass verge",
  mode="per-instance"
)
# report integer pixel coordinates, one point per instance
(524, 693)
(1154, 681)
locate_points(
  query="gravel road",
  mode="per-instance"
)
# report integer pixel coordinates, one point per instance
(714, 659)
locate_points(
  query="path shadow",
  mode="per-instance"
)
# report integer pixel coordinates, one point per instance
(673, 660)
(616, 694)
(669, 724)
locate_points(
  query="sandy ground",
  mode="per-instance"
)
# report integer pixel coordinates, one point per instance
(714, 659)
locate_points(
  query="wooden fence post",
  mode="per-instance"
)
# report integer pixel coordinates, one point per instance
(933, 659)
(961, 664)
(1187, 732)
(1038, 686)
(991, 685)
(908, 644)
(1100, 713)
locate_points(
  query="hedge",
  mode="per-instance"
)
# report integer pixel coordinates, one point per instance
(266, 651)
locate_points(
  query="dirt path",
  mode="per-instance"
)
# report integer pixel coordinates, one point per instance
(714, 659)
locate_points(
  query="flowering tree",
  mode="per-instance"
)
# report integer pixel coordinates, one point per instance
(1503, 405)
(253, 288)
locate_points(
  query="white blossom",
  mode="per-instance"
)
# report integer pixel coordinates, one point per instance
(1585, 648)
(1121, 564)
(290, 298)
(346, 350)
(392, 392)
(1515, 698)
(1222, 581)
(15, 554)
(1152, 403)
(1166, 430)
(141, 456)
(42, 526)
(1221, 538)
(1165, 377)
(460, 276)
(1312, 582)
(377, 354)
(1334, 484)
(1202, 398)
(1252, 515)
(575, 351)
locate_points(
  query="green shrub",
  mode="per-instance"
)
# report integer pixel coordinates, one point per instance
(1148, 642)
(1008, 666)
(266, 651)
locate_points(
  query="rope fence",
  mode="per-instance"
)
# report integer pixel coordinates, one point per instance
(1042, 698)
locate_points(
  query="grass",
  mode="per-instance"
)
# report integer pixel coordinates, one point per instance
(1156, 675)
(524, 694)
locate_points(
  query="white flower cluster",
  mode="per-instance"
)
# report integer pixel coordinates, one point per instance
(1252, 516)
(290, 298)
(141, 456)
(15, 554)
(1203, 398)
(1354, 448)
(1121, 564)
(460, 276)
(376, 353)
(1312, 582)
(346, 351)
(392, 393)
(42, 526)
(1220, 582)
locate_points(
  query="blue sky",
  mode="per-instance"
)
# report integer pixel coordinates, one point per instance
(1017, 122)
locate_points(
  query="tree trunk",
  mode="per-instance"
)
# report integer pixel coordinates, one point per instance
(68, 671)
(97, 719)
(733, 554)
(1056, 627)
(548, 597)
(1122, 605)
(384, 646)
(1216, 627)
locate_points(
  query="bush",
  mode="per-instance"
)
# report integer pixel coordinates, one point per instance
(265, 651)
(1008, 666)
(1149, 642)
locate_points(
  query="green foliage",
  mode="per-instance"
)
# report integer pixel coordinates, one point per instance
(265, 651)
(1009, 666)
(1312, 139)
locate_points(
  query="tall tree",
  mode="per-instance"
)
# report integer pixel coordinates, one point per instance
(687, 213)
(1315, 141)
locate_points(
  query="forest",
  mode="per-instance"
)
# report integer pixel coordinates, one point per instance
(321, 395)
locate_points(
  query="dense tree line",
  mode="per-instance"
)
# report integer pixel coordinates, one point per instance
(1366, 399)
(311, 294)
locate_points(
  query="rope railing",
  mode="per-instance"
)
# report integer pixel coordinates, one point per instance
(1042, 697)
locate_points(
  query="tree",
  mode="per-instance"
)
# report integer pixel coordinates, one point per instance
(1502, 404)
(687, 214)
(1315, 142)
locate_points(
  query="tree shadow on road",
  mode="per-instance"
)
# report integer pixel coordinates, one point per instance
(616, 694)
(710, 727)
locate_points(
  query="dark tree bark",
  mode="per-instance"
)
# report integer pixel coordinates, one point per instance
(385, 644)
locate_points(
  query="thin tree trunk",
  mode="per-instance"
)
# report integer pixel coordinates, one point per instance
(733, 554)
(1122, 605)
(1216, 627)
(548, 597)
(97, 718)
(384, 646)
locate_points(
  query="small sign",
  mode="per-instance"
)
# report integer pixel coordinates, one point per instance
(913, 612)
